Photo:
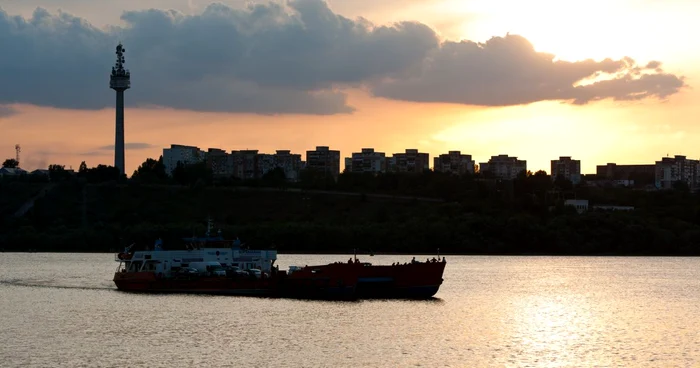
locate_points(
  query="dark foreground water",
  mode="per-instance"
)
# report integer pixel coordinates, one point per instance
(63, 310)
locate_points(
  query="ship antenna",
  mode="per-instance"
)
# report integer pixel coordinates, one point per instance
(209, 225)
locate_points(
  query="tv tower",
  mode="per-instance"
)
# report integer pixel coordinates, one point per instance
(120, 81)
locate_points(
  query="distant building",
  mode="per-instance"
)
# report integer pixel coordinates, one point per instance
(503, 167)
(366, 161)
(612, 171)
(40, 172)
(605, 207)
(179, 153)
(290, 163)
(410, 161)
(245, 164)
(454, 162)
(676, 169)
(8, 171)
(566, 168)
(266, 163)
(581, 205)
(219, 162)
(324, 159)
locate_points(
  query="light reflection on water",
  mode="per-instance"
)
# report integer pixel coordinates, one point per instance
(62, 310)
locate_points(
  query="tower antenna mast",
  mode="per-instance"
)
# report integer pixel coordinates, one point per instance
(120, 81)
(18, 149)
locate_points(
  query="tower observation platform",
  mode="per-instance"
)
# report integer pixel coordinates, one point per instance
(120, 81)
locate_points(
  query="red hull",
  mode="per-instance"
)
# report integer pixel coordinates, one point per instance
(332, 281)
(149, 282)
(413, 280)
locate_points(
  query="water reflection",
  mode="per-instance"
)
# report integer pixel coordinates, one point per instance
(550, 327)
(63, 310)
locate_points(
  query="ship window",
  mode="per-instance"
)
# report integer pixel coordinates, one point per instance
(135, 266)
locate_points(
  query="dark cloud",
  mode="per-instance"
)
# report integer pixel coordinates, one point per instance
(92, 153)
(131, 146)
(508, 71)
(271, 58)
(6, 111)
(264, 59)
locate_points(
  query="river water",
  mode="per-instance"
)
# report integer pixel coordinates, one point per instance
(63, 310)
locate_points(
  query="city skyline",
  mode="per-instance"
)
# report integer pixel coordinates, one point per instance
(603, 169)
(643, 111)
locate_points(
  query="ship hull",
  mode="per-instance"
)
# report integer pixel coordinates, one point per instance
(408, 281)
(337, 281)
(147, 282)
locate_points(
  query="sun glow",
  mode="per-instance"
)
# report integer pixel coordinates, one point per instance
(595, 29)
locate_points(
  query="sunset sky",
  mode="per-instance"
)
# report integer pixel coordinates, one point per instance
(602, 81)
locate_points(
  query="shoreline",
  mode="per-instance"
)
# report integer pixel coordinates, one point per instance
(363, 255)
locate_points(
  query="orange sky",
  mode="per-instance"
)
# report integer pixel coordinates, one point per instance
(596, 133)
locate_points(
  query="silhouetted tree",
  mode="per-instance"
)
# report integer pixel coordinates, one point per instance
(562, 183)
(58, 172)
(316, 179)
(150, 172)
(274, 178)
(10, 163)
(101, 173)
(192, 173)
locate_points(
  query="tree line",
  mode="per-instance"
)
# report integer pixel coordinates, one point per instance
(97, 209)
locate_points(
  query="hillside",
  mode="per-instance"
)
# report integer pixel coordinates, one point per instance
(77, 216)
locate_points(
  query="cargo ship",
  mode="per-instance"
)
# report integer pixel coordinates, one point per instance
(214, 265)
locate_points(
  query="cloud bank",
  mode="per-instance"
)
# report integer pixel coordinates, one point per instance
(298, 58)
(7, 111)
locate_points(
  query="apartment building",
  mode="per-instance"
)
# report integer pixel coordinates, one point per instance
(219, 162)
(454, 162)
(181, 153)
(613, 171)
(676, 169)
(410, 161)
(566, 168)
(289, 162)
(245, 164)
(503, 167)
(366, 161)
(324, 159)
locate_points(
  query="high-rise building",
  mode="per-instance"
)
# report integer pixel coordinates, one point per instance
(289, 162)
(219, 162)
(503, 167)
(245, 164)
(366, 161)
(120, 81)
(612, 171)
(454, 162)
(410, 161)
(677, 169)
(566, 168)
(324, 159)
(180, 153)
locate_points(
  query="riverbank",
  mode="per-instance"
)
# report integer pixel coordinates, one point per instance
(80, 217)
